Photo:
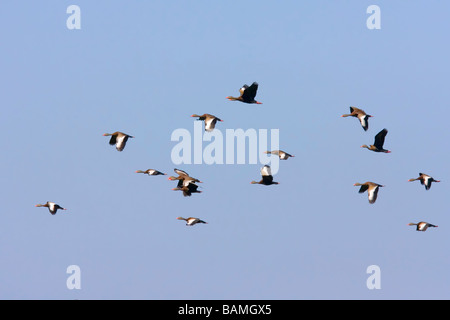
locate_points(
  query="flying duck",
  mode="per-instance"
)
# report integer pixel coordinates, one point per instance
(425, 180)
(361, 115)
(248, 94)
(210, 121)
(422, 226)
(188, 188)
(52, 207)
(119, 139)
(377, 146)
(191, 221)
(267, 178)
(152, 172)
(183, 178)
(371, 188)
(281, 154)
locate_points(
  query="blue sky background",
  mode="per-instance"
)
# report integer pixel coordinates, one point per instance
(143, 68)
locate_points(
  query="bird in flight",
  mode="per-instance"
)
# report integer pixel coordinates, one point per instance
(377, 146)
(247, 94)
(119, 139)
(361, 115)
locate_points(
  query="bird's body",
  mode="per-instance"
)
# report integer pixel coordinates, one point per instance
(377, 146)
(152, 172)
(371, 188)
(191, 221)
(425, 180)
(247, 94)
(210, 121)
(267, 178)
(52, 207)
(361, 115)
(281, 154)
(188, 188)
(119, 139)
(422, 226)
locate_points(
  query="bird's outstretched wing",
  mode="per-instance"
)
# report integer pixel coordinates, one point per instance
(266, 171)
(249, 93)
(373, 194)
(363, 188)
(364, 119)
(241, 90)
(379, 139)
(180, 172)
(112, 141)
(121, 142)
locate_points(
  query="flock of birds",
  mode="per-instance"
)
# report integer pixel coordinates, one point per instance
(188, 185)
(372, 188)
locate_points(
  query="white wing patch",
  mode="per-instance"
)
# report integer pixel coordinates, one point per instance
(266, 171)
(120, 142)
(191, 221)
(423, 226)
(51, 206)
(372, 194)
(209, 124)
(363, 121)
(427, 182)
(187, 182)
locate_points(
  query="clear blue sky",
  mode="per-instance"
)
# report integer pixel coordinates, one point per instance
(143, 67)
